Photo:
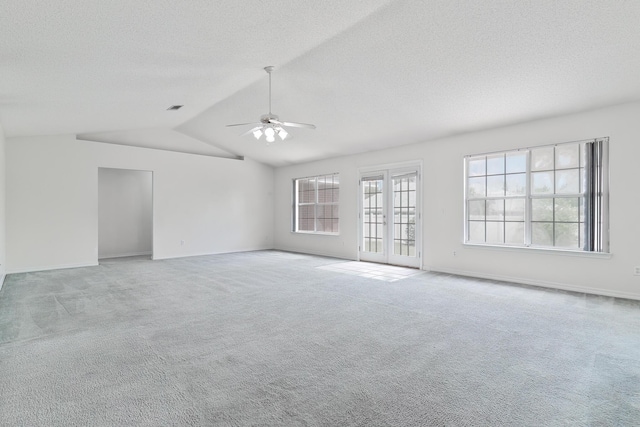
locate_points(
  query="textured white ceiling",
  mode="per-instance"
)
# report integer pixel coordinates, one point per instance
(369, 74)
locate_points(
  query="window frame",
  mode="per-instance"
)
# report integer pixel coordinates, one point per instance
(593, 198)
(316, 204)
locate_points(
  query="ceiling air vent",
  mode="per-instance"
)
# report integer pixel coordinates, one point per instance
(175, 107)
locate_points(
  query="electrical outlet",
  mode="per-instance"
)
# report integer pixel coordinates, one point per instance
(181, 242)
(454, 253)
(636, 271)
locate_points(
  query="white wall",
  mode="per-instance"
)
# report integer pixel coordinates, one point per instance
(3, 215)
(215, 205)
(443, 204)
(125, 212)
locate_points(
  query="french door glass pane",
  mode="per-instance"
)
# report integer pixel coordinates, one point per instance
(373, 215)
(404, 211)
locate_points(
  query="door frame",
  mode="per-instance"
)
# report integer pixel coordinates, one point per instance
(388, 171)
(153, 209)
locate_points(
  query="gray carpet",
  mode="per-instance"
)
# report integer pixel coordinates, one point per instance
(266, 338)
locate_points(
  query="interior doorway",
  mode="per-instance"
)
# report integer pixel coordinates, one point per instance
(125, 213)
(390, 216)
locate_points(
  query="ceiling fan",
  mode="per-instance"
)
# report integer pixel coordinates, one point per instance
(270, 124)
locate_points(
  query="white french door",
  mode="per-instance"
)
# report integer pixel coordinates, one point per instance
(390, 217)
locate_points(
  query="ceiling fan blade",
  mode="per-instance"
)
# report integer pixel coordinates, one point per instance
(251, 130)
(270, 123)
(243, 124)
(298, 125)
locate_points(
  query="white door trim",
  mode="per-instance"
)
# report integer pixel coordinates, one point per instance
(388, 171)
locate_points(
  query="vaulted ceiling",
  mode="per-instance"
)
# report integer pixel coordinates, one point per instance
(369, 74)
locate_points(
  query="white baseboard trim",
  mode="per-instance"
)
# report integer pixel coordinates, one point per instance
(2, 277)
(176, 256)
(50, 267)
(540, 283)
(125, 255)
(318, 253)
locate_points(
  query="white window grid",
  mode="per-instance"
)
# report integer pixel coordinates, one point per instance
(592, 197)
(317, 211)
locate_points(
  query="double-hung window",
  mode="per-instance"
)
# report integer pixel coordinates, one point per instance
(316, 204)
(551, 196)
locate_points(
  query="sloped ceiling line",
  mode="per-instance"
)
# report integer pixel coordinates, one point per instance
(370, 74)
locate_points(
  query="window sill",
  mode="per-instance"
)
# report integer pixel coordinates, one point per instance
(546, 251)
(315, 233)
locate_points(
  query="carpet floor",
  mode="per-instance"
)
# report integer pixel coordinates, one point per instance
(275, 338)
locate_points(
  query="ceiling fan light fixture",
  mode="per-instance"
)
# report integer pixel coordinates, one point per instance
(269, 133)
(270, 124)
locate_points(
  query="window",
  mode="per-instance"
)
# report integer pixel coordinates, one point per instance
(316, 204)
(547, 197)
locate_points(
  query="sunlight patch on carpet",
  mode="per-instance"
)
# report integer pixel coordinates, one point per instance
(386, 273)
